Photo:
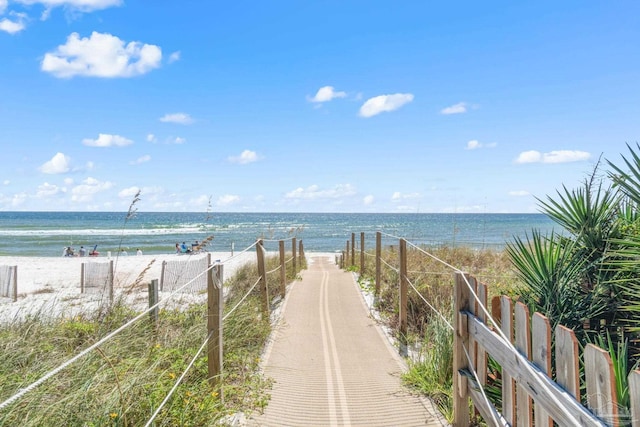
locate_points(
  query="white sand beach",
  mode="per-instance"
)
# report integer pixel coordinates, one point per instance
(50, 286)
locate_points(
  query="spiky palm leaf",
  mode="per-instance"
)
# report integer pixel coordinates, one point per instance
(552, 274)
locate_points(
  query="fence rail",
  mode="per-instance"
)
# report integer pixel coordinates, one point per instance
(522, 344)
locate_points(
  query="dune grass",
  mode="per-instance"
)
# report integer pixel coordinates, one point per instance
(123, 381)
(429, 334)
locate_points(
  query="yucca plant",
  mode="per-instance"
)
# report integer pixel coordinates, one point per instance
(552, 275)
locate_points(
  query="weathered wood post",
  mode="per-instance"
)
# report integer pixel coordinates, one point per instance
(346, 261)
(508, 383)
(378, 260)
(541, 357)
(403, 293)
(602, 397)
(110, 284)
(283, 269)
(15, 283)
(361, 253)
(300, 252)
(164, 265)
(153, 300)
(353, 249)
(524, 404)
(262, 272)
(293, 251)
(215, 304)
(461, 297)
(82, 278)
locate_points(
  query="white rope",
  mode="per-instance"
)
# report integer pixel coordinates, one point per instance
(274, 270)
(175, 386)
(289, 260)
(524, 361)
(390, 266)
(484, 395)
(278, 240)
(430, 306)
(242, 299)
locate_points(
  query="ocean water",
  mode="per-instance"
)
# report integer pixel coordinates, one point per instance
(47, 233)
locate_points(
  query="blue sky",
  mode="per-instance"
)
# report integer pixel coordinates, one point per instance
(332, 106)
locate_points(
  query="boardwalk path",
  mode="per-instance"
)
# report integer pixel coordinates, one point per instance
(331, 364)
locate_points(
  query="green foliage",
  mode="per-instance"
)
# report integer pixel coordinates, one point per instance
(125, 380)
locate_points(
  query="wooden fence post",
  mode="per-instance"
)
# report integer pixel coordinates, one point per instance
(403, 293)
(634, 397)
(110, 284)
(293, 251)
(153, 300)
(541, 357)
(262, 272)
(508, 384)
(82, 278)
(378, 260)
(353, 248)
(283, 269)
(361, 253)
(347, 258)
(524, 405)
(215, 304)
(601, 384)
(300, 252)
(567, 361)
(15, 283)
(164, 265)
(461, 299)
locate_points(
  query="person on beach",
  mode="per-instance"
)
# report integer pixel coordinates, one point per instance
(138, 251)
(69, 251)
(82, 252)
(178, 248)
(123, 252)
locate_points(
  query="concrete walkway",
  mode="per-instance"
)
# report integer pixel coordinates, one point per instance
(331, 364)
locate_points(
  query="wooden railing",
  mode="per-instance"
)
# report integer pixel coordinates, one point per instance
(521, 344)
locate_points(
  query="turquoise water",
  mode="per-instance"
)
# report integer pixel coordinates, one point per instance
(46, 233)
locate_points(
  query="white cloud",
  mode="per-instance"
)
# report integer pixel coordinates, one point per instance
(84, 192)
(326, 93)
(475, 144)
(368, 200)
(151, 138)
(177, 140)
(565, 156)
(396, 196)
(175, 56)
(227, 199)
(6, 182)
(48, 190)
(101, 55)
(58, 164)
(79, 5)
(89, 166)
(458, 108)
(3, 5)
(247, 156)
(107, 140)
(141, 159)
(128, 193)
(314, 192)
(519, 193)
(68, 181)
(531, 156)
(382, 103)
(18, 199)
(12, 27)
(556, 156)
(180, 118)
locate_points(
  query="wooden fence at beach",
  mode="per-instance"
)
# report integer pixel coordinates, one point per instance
(521, 343)
(9, 281)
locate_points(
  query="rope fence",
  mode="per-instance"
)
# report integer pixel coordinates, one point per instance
(478, 334)
(195, 272)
